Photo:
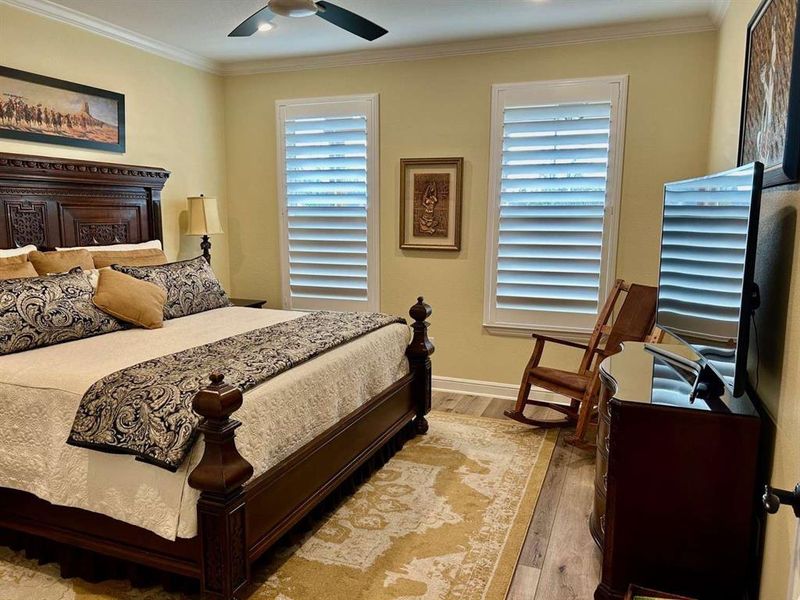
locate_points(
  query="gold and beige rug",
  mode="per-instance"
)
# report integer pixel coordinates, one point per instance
(445, 518)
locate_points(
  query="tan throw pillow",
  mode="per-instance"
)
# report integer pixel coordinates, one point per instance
(130, 299)
(7, 261)
(17, 271)
(130, 258)
(60, 261)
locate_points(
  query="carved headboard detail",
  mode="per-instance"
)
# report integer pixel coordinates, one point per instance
(53, 202)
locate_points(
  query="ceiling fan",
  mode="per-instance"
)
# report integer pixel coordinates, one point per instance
(332, 13)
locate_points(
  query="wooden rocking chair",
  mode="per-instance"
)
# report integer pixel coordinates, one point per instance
(634, 322)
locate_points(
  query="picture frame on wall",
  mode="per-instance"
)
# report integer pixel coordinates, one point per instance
(769, 130)
(37, 108)
(430, 203)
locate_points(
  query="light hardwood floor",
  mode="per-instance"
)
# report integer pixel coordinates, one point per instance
(559, 560)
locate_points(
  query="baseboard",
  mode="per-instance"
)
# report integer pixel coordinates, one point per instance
(494, 389)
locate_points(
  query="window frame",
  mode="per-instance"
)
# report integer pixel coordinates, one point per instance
(544, 92)
(373, 199)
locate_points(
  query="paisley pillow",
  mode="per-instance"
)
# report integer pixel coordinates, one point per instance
(41, 311)
(191, 286)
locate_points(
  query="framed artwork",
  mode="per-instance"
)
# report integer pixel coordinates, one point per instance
(430, 203)
(36, 108)
(770, 124)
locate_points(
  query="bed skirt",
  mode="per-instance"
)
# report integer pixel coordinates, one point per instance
(93, 567)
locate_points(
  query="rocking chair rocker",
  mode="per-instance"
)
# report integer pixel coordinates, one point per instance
(634, 322)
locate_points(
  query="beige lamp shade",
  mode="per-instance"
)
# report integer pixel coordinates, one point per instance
(203, 216)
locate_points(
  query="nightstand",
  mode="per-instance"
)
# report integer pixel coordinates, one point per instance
(249, 303)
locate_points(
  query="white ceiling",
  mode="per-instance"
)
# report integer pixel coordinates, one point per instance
(200, 27)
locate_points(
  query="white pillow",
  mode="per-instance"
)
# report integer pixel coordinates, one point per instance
(153, 244)
(93, 274)
(17, 251)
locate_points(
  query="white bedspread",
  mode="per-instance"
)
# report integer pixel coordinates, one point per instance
(40, 391)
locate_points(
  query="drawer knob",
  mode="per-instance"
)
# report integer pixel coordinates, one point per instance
(774, 497)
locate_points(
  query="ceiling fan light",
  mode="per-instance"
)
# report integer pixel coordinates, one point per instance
(293, 8)
(266, 26)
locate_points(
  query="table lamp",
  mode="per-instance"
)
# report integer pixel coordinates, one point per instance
(204, 220)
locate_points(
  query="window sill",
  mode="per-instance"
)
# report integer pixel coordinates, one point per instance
(513, 330)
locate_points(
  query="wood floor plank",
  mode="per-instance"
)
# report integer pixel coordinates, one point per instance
(444, 401)
(496, 407)
(542, 413)
(472, 405)
(437, 398)
(523, 586)
(536, 542)
(571, 568)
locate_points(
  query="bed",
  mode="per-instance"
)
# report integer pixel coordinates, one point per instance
(229, 502)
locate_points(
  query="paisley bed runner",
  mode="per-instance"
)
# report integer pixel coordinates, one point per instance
(146, 409)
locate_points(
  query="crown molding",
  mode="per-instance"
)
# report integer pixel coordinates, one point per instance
(698, 24)
(483, 46)
(718, 10)
(48, 9)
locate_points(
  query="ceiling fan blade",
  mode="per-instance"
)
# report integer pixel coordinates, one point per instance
(250, 25)
(349, 21)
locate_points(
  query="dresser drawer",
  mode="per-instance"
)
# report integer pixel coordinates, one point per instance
(597, 521)
(601, 474)
(603, 425)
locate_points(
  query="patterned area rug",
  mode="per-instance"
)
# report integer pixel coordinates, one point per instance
(444, 518)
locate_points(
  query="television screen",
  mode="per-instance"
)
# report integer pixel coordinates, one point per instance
(706, 289)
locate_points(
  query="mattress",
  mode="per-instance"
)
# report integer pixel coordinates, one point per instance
(40, 391)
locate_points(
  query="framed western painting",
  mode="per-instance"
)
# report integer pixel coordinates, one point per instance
(430, 203)
(770, 124)
(36, 108)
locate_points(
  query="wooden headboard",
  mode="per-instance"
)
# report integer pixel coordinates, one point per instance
(53, 202)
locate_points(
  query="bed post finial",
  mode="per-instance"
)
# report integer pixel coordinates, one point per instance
(220, 476)
(419, 352)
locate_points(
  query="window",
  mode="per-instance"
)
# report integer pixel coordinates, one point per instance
(556, 164)
(328, 198)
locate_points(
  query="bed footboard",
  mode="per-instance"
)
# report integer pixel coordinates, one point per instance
(220, 476)
(230, 538)
(419, 360)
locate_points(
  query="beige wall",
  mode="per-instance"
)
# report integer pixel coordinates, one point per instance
(174, 113)
(441, 108)
(724, 142)
(778, 318)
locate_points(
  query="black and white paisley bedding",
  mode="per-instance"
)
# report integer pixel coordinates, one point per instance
(191, 286)
(42, 311)
(145, 410)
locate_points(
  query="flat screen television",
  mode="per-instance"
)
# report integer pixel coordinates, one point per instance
(706, 291)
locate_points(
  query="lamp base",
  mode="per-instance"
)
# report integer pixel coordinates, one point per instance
(205, 245)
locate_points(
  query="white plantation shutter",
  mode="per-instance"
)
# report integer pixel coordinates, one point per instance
(327, 188)
(554, 187)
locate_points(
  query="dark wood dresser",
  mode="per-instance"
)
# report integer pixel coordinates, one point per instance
(675, 487)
